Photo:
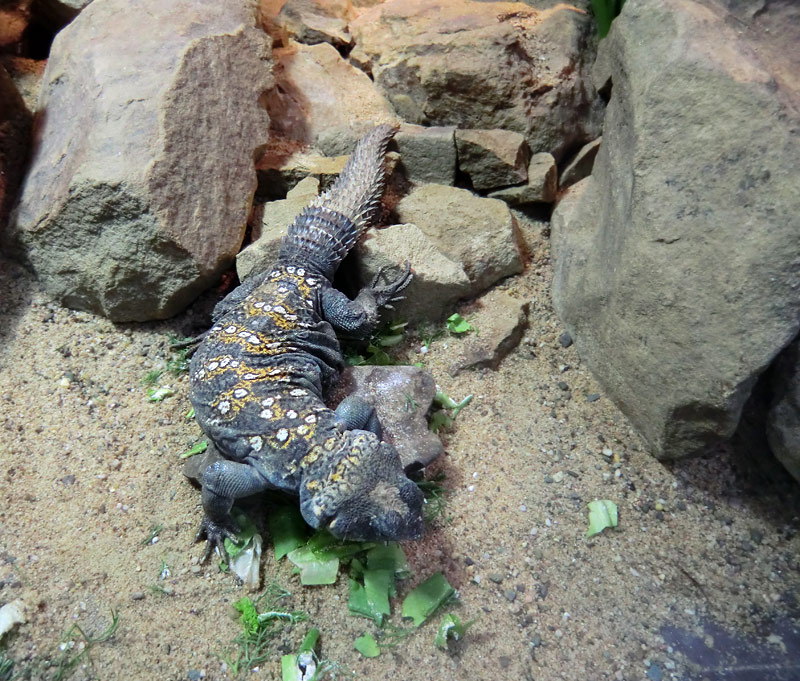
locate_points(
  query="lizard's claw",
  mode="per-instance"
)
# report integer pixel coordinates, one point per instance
(215, 534)
(388, 292)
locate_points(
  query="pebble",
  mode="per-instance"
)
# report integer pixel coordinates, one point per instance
(137, 596)
(565, 339)
(496, 577)
(510, 594)
(563, 385)
(593, 397)
(196, 674)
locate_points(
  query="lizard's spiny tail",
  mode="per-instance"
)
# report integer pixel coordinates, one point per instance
(322, 235)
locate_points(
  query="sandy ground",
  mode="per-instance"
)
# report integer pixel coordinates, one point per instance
(702, 569)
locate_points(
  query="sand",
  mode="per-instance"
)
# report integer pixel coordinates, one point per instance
(703, 552)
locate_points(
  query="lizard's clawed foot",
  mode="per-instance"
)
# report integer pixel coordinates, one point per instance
(387, 293)
(215, 534)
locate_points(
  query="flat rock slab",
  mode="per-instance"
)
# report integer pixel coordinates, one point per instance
(676, 261)
(500, 320)
(140, 185)
(402, 396)
(427, 154)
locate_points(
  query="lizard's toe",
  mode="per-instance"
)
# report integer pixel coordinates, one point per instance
(215, 534)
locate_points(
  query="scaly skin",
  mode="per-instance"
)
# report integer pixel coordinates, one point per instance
(259, 376)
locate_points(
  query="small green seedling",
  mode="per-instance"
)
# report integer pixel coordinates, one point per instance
(440, 418)
(367, 646)
(69, 658)
(199, 448)
(388, 336)
(189, 415)
(451, 628)
(152, 538)
(428, 597)
(457, 325)
(435, 497)
(260, 628)
(602, 514)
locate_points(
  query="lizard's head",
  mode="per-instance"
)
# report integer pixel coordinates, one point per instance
(364, 494)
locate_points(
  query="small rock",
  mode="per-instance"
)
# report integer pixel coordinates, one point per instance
(492, 158)
(565, 339)
(137, 596)
(580, 166)
(279, 172)
(496, 577)
(427, 154)
(563, 386)
(542, 185)
(500, 321)
(510, 595)
(314, 21)
(592, 397)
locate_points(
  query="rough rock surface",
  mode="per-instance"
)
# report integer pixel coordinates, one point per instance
(15, 130)
(477, 233)
(131, 171)
(541, 187)
(323, 101)
(783, 419)
(27, 76)
(278, 174)
(492, 158)
(402, 396)
(500, 321)
(483, 65)
(677, 264)
(427, 154)
(438, 281)
(315, 21)
(580, 166)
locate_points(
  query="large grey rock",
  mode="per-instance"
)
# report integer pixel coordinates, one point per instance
(783, 419)
(477, 233)
(677, 263)
(580, 166)
(483, 65)
(323, 101)
(140, 186)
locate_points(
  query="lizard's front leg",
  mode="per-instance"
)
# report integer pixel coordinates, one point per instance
(223, 482)
(359, 317)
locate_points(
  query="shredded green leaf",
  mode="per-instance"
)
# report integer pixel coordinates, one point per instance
(288, 529)
(158, 394)
(248, 529)
(602, 514)
(199, 448)
(367, 646)
(451, 628)
(423, 601)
